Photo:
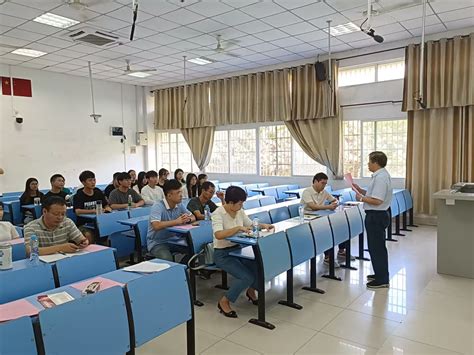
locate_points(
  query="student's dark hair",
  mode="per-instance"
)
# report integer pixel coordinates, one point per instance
(123, 176)
(320, 176)
(86, 174)
(171, 185)
(116, 174)
(379, 158)
(130, 171)
(56, 176)
(201, 176)
(27, 184)
(163, 172)
(140, 177)
(26, 195)
(207, 185)
(151, 173)
(53, 200)
(176, 172)
(235, 194)
(192, 190)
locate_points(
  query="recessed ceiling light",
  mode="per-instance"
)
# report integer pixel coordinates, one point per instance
(201, 61)
(139, 74)
(28, 52)
(55, 20)
(343, 29)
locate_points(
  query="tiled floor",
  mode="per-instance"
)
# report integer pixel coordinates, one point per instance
(421, 313)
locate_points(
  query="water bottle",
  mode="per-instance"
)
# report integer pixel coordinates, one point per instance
(207, 213)
(34, 250)
(98, 207)
(255, 230)
(130, 202)
(301, 213)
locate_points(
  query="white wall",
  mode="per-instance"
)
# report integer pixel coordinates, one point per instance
(58, 136)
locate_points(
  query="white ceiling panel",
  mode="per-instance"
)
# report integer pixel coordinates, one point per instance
(415, 23)
(12, 41)
(56, 42)
(207, 26)
(282, 19)
(108, 23)
(429, 29)
(336, 19)
(142, 44)
(158, 24)
(182, 16)
(234, 18)
(184, 32)
(304, 47)
(38, 28)
(271, 35)
(154, 8)
(262, 47)
(443, 6)
(387, 29)
(410, 13)
(204, 40)
(262, 9)
(312, 11)
(457, 14)
(293, 4)
(299, 28)
(287, 42)
(453, 25)
(253, 27)
(341, 5)
(81, 15)
(45, 5)
(11, 21)
(209, 9)
(125, 13)
(162, 39)
(124, 49)
(4, 29)
(312, 36)
(24, 35)
(247, 41)
(24, 12)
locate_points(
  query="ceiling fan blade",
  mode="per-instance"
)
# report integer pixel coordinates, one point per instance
(139, 71)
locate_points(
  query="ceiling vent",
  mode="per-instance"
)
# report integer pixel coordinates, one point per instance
(94, 37)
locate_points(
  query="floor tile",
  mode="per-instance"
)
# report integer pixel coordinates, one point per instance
(225, 347)
(401, 346)
(327, 344)
(386, 303)
(452, 285)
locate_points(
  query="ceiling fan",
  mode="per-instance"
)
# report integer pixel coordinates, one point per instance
(222, 47)
(128, 70)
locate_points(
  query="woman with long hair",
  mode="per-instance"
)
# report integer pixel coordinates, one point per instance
(141, 182)
(190, 190)
(28, 197)
(179, 175)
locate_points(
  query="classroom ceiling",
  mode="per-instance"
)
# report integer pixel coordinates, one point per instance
(261, 33)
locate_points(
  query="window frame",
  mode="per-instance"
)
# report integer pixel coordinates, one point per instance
(376, 76)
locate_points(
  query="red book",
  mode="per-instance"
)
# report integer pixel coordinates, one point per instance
(6, 86)
(22, 87)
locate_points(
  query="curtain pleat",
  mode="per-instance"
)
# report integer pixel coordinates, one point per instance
(200, 140)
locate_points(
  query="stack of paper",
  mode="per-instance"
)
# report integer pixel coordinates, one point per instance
(146, 267)
(52, 258)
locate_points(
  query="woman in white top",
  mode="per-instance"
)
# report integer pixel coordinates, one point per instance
(7, 231)
(227, 221)
(190, 189)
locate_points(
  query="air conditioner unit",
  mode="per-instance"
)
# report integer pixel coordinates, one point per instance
(95, 37)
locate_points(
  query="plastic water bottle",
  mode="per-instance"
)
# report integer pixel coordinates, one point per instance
(34, 250)
(301, 213)
(207, 214)
(130, 202)
(98, 207)
(255, 230)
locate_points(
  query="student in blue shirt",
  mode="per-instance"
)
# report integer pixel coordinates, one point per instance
(166, 213)
(377, 199)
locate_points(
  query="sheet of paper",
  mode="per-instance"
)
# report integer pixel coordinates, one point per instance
(60, 298)
(94, 247)
(186, 227)
(146, 267)
(79, 252)
(52, 258)
(17, 309)
(348, 178)
(104, 283)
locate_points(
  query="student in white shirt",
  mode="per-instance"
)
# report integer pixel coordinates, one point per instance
(227, 221)
(140, 182)
(151, 192)
(377, 199)
(7, 231)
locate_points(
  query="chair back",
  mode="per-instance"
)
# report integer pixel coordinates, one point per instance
(279, 214)
(301, 243)
(293, 187)
(85, 266)
(201, 236)
(322, 234)
(267, 200)
(249, 188)
(154, 311)
(348, 195)
(263, 184)
(249, 204)
(340, 227)
(275, 254)
(270, 191)
(355, 222)
(15, 212)
(18, 251)
(294, 210)
(100, 317)
(394, 209)
(281, 192)
(141, 211)
(408, 199)
(107, 223)
(143, 231)
(17, 337)
(401, 201)
(263, 217)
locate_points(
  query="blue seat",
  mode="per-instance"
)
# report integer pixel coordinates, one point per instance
(340, 227)
(279, 214)
(348, 195)
(102, 316)
(356, 226)
(394, 209)
(158, 303)
(401, 201)
(294, 210)
(322, 234)
(138, 212)
(224, 185)
(82, 267)
(108, 226)
(267, 200)
(15, 213)
(264, 217)
(25, 280)
(263, 184)
(293, 187)
(281, 192)
(408, 199)
(249, 204)
(244, 253)
(270, 191)
(275, 253)
(201, 236)
(249, 188)
(301, 243)
(17, 337)
(18, 251)
(142, 228)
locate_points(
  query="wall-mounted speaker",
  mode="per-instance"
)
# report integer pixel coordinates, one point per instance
(320, 71)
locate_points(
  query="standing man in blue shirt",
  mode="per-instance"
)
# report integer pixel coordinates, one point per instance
(166, 213)
(377, 201)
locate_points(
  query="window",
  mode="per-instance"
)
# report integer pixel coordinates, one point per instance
(363, 137)
(391, 71)
(220, 153)
(303, 164)
(243, 151)
(173, 152)
(371, 73)
(275, 151)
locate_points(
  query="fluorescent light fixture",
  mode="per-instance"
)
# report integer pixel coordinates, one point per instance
(55, 20)
(139, 74)
(343, 29)
(28, 52)
(200, 61)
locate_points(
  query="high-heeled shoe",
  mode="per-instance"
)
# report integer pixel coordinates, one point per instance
(254, 302)
(231, 314)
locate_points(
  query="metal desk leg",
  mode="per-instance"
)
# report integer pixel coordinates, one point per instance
(289, 292)
(332, 274)
(411, 218)
(347, 263)
(191, 329)
(223, 285)
(312, 283)
(397, 227)
(404, 222)
(361, 248)
(389, 229)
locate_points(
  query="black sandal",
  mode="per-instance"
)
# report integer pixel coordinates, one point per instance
(254, 302)
(231, 314)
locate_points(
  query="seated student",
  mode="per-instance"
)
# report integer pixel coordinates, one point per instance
(151, 192)
(314, 198)
(28, 197)
(166, 213)
(55, 232)
(179, 175)
(162, 177)
(118, 198)
(7, 231)
(57, 187)
(133, 177)
(112, 186)
(228, 220)
(141, 182)
(202, 178)
(197, 204)
(86, 198)
(190, 189)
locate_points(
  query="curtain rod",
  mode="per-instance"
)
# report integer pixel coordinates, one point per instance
(363, 55)
(374, 103)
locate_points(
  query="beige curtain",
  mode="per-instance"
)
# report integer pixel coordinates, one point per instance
(440, 147)
(257, 97)
(200, 140)
(315, 122)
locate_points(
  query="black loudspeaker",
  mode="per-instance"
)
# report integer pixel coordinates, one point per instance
(320, 71)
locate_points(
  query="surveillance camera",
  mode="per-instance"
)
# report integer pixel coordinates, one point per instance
(18, 118)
